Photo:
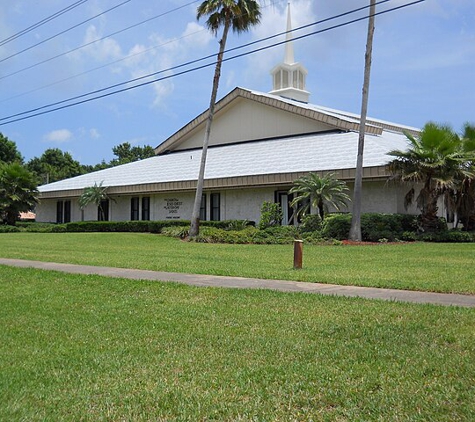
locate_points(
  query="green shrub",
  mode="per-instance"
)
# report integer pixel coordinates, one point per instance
(311, 223)
(452, 236)
(271, 215)
(336, 226)
(374, 226)
(409, 236)
(176, 231)
(9, 229)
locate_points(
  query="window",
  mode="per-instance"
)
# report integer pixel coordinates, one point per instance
(59, 211)
(67, 212)
(203, 207)
(134, 208)
(285, 79)
(103, 211)
(215, 207)
(284, 199)
(146, 208)
(63, 211)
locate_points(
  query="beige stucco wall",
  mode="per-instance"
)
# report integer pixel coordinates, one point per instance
(246, 120)
(235, 204)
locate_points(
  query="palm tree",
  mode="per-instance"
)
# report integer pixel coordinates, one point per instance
(240, 15)
(355, 229)
(96, 195)
(319, 192)
(463, 197)
(18, 191)
(437, 160)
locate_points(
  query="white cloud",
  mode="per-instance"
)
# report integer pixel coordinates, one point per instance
(59, 136)
(94, 133)
(103, 51)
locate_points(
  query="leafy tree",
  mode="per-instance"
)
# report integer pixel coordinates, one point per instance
(8, 151)
(320, 192)
(54, 165)
(96, 195)
(18, 191)
(125, 153)
(240, 16)
(437, 160)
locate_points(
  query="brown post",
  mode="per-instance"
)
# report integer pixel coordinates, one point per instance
(298, 253)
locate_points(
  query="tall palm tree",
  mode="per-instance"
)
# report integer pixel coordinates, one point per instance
(355, 229)
(437, 160)
(240, 16)
(319, 192)
(94, 195)
(463, 197)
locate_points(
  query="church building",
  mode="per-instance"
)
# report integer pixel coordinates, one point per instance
(284, 137)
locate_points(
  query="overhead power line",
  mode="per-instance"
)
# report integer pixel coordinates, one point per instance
(91, 42)
(41, 22)
(13, 119)
(182, 65)
(64, 32)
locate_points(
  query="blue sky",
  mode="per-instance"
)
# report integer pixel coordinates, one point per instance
(423, 67)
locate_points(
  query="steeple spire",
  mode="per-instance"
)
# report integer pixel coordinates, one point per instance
(289, 47)
(289, 77)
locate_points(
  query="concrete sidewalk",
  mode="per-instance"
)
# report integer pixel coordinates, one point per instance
(254, 283)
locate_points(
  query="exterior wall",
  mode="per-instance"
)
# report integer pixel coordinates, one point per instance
(46, 211)
(260, 122)
(238, 204)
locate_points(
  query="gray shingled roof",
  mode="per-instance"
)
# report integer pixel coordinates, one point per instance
(321, 151)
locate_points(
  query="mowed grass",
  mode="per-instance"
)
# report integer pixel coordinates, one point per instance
(89, 348)
(413, 266)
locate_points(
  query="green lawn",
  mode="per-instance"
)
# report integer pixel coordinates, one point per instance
(413, 266)
(90, 348)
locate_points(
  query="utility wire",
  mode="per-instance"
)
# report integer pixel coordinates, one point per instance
(113, 62)
(41, 22)
(91, 42)
(193, 69)
(63, 32)
(187, 63)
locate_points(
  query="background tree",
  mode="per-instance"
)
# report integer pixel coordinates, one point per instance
(355, 229)
(240, 15)
(94, 195)
(437, 160)
(319, 192)
(54, 165)
(8, 151)
(125, 153)
(18, 191)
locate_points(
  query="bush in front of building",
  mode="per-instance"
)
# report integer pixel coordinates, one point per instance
(374, 226)
(271, 215)
(448, 236)
(4, 228)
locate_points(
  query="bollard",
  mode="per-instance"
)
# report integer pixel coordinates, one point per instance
(298, 253)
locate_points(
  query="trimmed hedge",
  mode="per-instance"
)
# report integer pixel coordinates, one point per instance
(374, 226)
(126, 226)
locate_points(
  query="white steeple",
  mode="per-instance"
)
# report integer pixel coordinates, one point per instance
(289, 46)
(289, 77)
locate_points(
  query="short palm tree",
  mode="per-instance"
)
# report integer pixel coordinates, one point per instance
(319, 192)
(437, 160)
(94, 195)
(18, 191)
(240, 16)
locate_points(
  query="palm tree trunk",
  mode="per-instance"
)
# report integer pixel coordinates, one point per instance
(355, 230)
(195, 216)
